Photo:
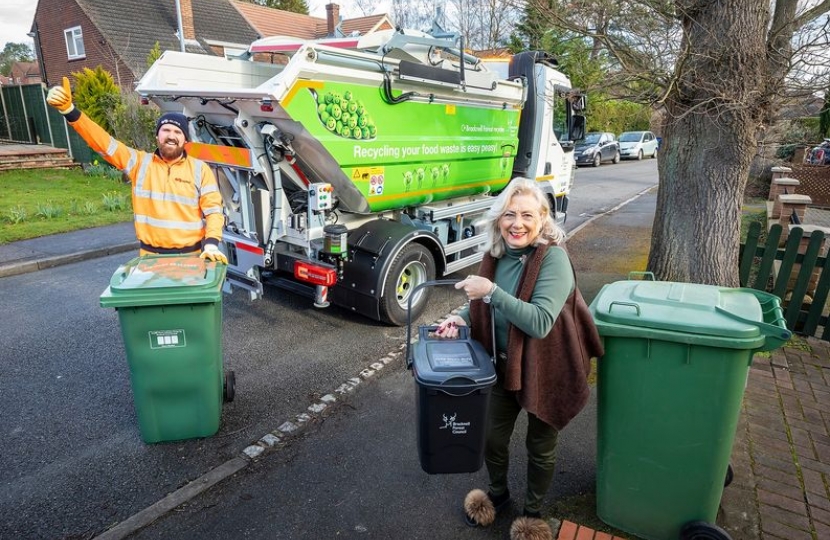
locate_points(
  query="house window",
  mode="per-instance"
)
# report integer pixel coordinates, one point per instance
(74, 43)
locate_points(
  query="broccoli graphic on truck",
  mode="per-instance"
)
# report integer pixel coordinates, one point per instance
(362, 166)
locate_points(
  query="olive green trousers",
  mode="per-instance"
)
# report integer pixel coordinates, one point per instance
(540, 443)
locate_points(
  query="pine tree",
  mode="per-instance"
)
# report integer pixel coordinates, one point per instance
(95, 93)
(154, 54)
(295, 6)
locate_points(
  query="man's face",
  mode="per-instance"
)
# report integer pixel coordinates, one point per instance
(170, 140)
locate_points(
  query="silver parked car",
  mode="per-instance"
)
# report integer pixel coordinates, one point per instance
(638, 144)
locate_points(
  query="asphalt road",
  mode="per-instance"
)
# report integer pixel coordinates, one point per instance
(73, 463)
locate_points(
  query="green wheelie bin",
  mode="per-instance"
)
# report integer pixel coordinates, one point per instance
(170, 312)
(670, 386)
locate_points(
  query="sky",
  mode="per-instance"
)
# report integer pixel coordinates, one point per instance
(16, 17)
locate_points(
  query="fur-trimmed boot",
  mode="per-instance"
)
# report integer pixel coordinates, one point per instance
(530, 528)
(480, 508)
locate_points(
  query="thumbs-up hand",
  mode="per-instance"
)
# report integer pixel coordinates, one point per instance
(60, 97)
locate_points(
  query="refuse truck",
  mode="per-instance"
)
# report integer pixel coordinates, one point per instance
(354, 169)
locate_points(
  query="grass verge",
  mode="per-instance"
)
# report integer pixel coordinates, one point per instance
(39, 202)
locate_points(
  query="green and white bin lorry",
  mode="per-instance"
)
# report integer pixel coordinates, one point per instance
(354, 169)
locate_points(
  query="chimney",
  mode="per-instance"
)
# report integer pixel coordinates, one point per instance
(187, 19)
(332, 18)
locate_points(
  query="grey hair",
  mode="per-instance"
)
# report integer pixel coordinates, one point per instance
(549, 231)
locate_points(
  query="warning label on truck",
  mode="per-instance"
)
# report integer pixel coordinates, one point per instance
(373, 176)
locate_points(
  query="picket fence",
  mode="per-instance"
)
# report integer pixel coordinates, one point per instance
(798, 273)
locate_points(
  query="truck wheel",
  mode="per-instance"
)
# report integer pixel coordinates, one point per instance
(616, 158)
(597, 160)
(413, 265)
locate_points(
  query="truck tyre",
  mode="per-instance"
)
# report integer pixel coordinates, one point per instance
(597, 160)
(412, 266)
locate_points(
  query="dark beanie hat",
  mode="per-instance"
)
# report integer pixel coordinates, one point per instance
(177, 119)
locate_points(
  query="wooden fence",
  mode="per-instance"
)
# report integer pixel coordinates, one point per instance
(26, 118)
(797, 273)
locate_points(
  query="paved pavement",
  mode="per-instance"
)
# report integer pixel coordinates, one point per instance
(310, 482)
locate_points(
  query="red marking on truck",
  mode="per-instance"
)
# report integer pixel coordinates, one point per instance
(220, 155)
(300, 173)
(314, 274)
(256, 250)
(295, 46)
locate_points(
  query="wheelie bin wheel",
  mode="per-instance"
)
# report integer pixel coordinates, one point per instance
(700, 530)
(229, 386)
(730, 475)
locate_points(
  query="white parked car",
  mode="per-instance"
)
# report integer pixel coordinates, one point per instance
(638, 144)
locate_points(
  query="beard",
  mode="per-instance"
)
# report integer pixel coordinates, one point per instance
(171, 152)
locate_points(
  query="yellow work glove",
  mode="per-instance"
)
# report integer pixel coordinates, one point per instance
(60, 97)
(212, 253)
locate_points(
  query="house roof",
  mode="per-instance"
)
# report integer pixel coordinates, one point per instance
(25, 69)
(132, 27)
(363, 25)
(274, 22)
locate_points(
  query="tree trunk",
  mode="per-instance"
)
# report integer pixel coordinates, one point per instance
(713, 111)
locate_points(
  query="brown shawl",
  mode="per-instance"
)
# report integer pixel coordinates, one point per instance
(549, 375)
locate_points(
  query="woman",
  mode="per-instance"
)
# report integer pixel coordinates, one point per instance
(545, 338)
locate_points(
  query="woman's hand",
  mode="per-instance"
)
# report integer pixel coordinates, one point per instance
(475, 287)
(448, 329)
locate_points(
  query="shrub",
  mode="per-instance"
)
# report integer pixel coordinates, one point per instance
(48, 210)
(102, 169)
(17, 214)
(786, 151)
(96, 93)
(134, 124)
(114, 201)
(153, 55)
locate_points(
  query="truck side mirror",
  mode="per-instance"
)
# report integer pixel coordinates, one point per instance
(577, 131)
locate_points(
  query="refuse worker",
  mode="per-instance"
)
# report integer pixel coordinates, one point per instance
(545, 338)
(176, 200)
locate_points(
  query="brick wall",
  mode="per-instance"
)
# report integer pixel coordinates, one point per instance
(52, 19)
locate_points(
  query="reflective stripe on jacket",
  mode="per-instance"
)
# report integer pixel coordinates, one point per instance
(175, 204)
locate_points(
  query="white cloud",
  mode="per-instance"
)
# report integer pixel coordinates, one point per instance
(16, 18)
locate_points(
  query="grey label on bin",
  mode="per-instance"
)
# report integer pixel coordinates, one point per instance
(164, 339)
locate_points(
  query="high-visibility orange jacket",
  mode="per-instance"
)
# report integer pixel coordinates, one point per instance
(176, 205)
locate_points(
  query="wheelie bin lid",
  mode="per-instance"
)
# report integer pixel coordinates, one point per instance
(691, 313)
(152, 280)
(455, 366)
